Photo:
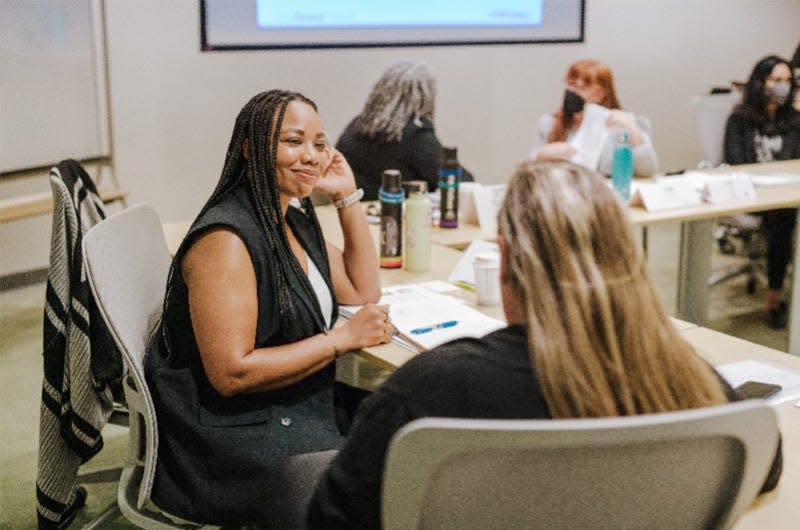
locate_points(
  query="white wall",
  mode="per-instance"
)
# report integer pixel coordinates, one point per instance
(173, 107)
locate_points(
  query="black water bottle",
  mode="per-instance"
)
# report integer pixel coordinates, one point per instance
(450, 173)
(391, 195)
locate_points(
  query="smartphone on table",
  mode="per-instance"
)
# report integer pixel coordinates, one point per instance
(756, 390)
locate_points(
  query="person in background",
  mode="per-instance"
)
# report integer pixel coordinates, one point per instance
(590, 81)
(395, 130)
(587, 337)
(241, 364)
(763, 128)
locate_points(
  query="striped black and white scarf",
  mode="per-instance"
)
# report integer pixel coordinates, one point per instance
(76, 403)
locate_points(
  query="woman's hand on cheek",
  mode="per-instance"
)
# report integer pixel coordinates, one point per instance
(337, 178)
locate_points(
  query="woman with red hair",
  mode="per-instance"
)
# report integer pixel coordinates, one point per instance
(590, 81)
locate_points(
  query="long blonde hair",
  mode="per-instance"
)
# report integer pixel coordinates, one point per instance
(600, 341)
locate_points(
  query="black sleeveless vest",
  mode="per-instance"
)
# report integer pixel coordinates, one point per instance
(214, 452)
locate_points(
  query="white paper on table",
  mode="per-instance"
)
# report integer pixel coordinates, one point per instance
(463, 273)
(739, 372)
(414, 306)
(765, 180)
(591, 137)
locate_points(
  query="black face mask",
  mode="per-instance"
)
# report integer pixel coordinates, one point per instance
(573, 103)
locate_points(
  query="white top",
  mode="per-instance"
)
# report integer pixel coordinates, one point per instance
(321, 290)
(645, 161)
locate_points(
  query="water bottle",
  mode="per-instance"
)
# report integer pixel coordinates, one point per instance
(391, 195)
(622, 166)
(449, 176)
(417, 256)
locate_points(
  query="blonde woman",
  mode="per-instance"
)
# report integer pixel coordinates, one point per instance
(587, 337)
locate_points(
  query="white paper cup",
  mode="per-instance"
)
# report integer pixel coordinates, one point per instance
(487, 278)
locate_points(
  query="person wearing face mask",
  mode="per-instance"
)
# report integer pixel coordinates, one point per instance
(763, 128)
(590, 81)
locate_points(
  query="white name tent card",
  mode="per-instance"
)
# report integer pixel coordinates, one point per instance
(590, 138)
(666, 193)
(488, 200)
(728, 187)
(478, 204)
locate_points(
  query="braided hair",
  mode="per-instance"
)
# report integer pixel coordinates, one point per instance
(258, 126)
(406, 90)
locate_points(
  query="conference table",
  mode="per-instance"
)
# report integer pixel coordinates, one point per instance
(697, 236)
(779, 509)
(696, 240)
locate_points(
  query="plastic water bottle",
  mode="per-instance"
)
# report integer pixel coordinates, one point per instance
(391, 195)
(449, 176)
(417, 256)
(622, 166)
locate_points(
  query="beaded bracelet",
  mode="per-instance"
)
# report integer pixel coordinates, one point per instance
(350, 199)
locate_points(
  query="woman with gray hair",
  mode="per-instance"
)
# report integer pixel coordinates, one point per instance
(395, 130)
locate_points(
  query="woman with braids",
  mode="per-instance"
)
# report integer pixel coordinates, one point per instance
(590, 81)
(763, 128)
(395, 130)
(587, 338)
(241, 366)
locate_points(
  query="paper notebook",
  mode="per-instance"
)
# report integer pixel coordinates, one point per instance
(425, 317)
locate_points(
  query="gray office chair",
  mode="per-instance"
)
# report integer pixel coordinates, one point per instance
(127, 264)
(700, 468)
(711, 113)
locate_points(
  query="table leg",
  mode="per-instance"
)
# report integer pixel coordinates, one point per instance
(694, 270)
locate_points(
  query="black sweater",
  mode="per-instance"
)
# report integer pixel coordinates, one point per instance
(749, 140)
(417, 155)
(489, 377)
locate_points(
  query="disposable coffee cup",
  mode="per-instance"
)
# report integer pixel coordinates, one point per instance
(487, 278)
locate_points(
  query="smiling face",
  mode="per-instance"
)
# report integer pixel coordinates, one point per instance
(302, 146)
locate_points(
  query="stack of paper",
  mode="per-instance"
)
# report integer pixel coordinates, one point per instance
(425, 318)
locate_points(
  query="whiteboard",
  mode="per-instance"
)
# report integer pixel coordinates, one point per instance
(53, 100)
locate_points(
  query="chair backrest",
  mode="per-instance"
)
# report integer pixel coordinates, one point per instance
(690, 469)
(711, 113)
(127, 264)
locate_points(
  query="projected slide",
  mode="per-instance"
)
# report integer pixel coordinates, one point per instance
(247, 24)
(408, 13)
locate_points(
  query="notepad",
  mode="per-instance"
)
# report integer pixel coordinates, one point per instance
(414, 307)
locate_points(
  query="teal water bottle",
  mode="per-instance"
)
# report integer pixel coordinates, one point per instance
(622, 166)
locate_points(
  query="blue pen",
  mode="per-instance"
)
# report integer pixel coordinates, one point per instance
(428, 329)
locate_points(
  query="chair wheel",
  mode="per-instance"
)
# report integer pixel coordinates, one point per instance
(726, 247)
(751, 286)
